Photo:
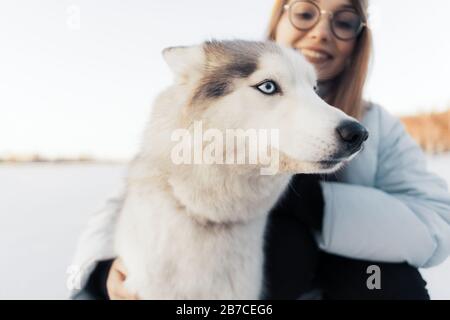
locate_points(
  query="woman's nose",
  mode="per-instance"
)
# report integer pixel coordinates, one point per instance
(321, 30)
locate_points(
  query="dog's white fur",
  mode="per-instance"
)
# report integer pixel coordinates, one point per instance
(196, 231)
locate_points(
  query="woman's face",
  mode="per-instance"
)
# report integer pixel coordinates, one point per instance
(328, 54)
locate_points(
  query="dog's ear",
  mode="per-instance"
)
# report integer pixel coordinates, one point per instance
(184, 61)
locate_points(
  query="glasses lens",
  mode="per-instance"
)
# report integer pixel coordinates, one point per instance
(346, 24)
(304, 15)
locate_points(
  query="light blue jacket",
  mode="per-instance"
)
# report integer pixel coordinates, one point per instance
(386, 205)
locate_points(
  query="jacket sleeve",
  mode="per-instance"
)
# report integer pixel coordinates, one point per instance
(404, 217)
(94, 245)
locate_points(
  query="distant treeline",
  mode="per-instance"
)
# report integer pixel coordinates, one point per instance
(40, 158)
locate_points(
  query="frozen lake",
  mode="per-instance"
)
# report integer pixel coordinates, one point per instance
(44, 207)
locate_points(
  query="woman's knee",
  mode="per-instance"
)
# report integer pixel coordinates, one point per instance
(343, 278)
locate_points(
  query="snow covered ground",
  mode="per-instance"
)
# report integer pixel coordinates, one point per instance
(44, 207)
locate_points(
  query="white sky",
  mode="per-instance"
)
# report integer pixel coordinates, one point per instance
(69, 88)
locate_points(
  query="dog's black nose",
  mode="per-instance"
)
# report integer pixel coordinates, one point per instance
(352, 133)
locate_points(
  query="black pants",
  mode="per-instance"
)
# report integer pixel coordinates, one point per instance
(294, 265)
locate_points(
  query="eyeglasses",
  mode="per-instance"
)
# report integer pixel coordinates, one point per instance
(346, 24)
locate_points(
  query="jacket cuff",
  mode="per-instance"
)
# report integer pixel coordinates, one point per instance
(96, 284)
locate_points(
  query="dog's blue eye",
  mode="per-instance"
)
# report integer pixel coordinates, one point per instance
(268, 87)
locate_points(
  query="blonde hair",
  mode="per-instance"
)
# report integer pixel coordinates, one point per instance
(347, 89)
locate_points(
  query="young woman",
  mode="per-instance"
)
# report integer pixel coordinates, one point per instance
(384, 209)
(360, 234)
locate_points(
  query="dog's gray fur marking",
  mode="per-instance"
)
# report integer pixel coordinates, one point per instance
(226, 61)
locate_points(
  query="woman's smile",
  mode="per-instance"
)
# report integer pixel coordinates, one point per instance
(316, 57)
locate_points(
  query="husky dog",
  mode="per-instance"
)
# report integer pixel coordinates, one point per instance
(196, 231)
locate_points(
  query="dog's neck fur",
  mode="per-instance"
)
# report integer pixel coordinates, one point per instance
(214, 194)
(222, 194)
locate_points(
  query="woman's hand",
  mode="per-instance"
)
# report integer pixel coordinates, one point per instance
(115, 284)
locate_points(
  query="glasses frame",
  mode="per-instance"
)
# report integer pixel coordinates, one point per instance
(288, 8)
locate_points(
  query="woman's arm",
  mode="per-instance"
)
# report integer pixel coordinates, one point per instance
(95, 245)
(405, 217)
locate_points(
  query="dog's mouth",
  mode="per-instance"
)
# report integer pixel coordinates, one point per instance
(332, 163)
